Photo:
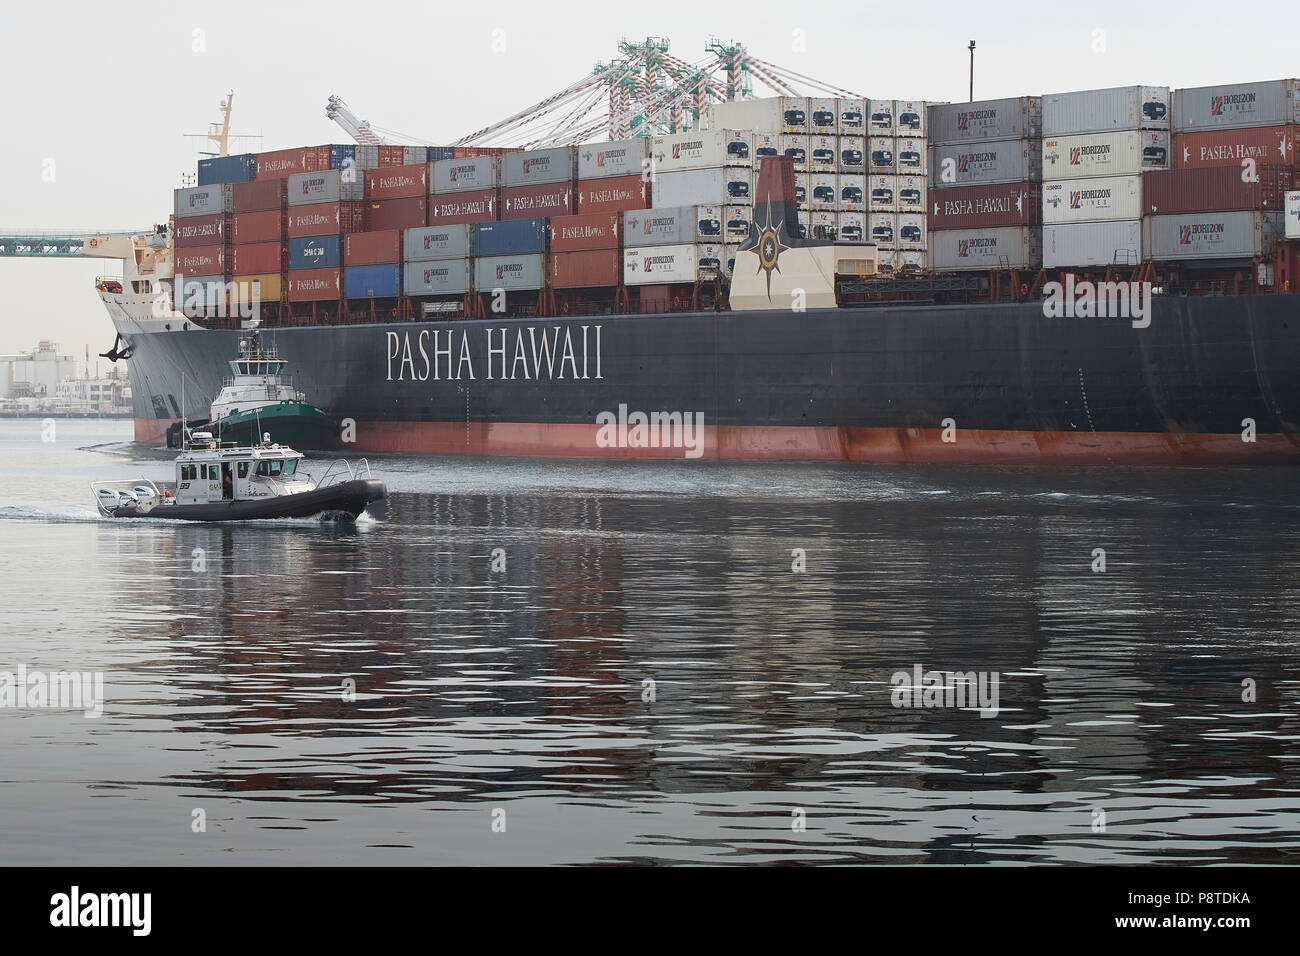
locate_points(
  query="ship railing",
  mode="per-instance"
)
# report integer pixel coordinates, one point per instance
(361, 470)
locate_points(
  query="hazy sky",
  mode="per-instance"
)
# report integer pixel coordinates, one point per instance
(107, 90)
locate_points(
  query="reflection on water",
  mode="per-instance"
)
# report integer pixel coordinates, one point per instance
(229, 650)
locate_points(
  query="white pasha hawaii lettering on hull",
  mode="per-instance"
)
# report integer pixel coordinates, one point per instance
(546, 352)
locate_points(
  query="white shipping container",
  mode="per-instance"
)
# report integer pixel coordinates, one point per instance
(512, 273)
(736, 223)
(1124, 153)
(729, 258)
(783, 114)
(911, 194)
(822, 153)
(764, 144)
(880, 118)
(909, 118)
(1292, 215)
(853, 154)
(823, 116)
(691, 187)
(825, 192)
(655, 265)
(823, 226)
(1105, 198)
(853, 192)
(1094, 111)
(1237, 106)
(886, 263)
(700, 150)
(326, 185)
(802, 189)
(624, 157)
(740, 186)
(1012, 118)
(1092, 243)
(988, 161)
(913, 262)
(882, 193)
(794, 115)
(710, 222)
(911, 156)
(853, 115)
(535, 167)
(851, 226)
(884, 229)
(805, 223)
(1211, 235)
(796, 147)
(202, 200)
(710, 258)
(462, 175)
(977, 250)
(911, 230)
(880, 155)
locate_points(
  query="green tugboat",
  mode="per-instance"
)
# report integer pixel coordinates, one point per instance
(257, 400)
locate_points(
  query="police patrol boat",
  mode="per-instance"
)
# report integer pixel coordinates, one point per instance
(226, 481)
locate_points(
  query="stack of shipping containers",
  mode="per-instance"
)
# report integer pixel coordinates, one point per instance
(511, 255)
(985, 199)
(201, 240)
(435, 260)
(1096, 144)
(323, 207)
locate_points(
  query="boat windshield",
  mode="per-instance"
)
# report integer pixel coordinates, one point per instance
(276, 467)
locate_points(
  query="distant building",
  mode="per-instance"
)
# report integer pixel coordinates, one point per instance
(35, 374)
(42, 382)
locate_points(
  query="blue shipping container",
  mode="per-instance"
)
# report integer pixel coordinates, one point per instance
(441, 152)
(516, 237)
(340, 152)
(241, 168)
(372, 282)
(316, 252)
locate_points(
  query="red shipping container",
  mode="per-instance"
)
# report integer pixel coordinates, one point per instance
(315, 285)
(259, 258)
(200, 261)
(283, 163)
(1229, 147)
(532, 202)
(478, 205)
(397, 182)
(259, 195)
(391, 155)
(986, 206)
(372, 248)
(582, 233)
(1214, 189)
(586, 270)
(613, 195)
(409, 213)
(266, 226)
(326, 219)
(201, 230)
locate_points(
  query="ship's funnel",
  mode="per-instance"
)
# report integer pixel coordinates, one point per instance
(776, 207)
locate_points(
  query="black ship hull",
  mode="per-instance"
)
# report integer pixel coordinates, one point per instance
(1211, 379)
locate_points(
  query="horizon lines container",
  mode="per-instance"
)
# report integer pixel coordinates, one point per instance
(586, 269)
(700, 149)
(202, 200)
(621, 157)
(315, 252)
(670, 227)
(546, 199)
(515, 237)
(986, 162)
(613, 194)
(586, 232)
(372, 282)
(205, 260)
(513, 273)
(538, 167)
(259, 258)
(320, 186)
(201, 231)
(464, 174)
(451, 241)
(267, 226)
(1120, 153)
(258, 196)
(409, 213)
(697, 187)
(1113, 108)
(316, 285)
(397, 182)
(1291, 215)
(1082, 244)
(467, 207)
(1230, 147)
(282, 163)
(1106, 198)
(239, 168)
(1211, 235)
(448, 276)
(1013, 117)
(778, 114)
(1236, 105)
(1214, 189)
(375, 248)
(653, 265)
(986, 206)
(327, 218)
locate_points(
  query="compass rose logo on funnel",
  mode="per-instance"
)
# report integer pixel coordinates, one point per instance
(769, 247)
(776, 216)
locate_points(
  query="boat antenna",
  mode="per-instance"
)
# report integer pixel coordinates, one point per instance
(185, 425)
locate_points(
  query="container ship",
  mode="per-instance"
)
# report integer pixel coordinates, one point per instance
(1101, 276)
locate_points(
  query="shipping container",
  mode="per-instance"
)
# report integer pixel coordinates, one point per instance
(764, 144)
(1019, 117)
(805, 218)
(195, 294)
(325, 185)
(882, 193)
(257, 258)
(624, 157)
(823, 116)
(853, 116)
(886, 263)
(823, 154)
(1233, 147)
(1215, 189)
(982, 206)
(852, 154)
(824, 196)
(328, 218)
(479, 206)
(435, 153)
(690, 188)
(987, 248)
(437, 242)
(881, 158)
(822, 226)
(268, 226)
(202, 200)
(343, 155)
(464, 174)
(258, 196)
(200, 260)
(700, 150)
(201, 231)
(1092, 200)
(911, 156)
(392, 156)
(1123, 153)
(367, 157)
(1292, 215)
(782, 114)
(397, 182)
(283, 163)
(538, 167)
(517, 237)
(517, 273)
(913, 262)
(585, 233)
(670, 227)
(796, 147)
(316, 285)
(852, 192)
(1211, 235)
(613, 195)
(1095, 111)
(739, 186)
(991, 161)
(240, 168)
(851, 226)
(911, 230)
(585, 270)
(1084, 244)
(372, 282)
(737, 223)
(912, 194)
(883, 228)
(910, 118)
(261, 289)
(437, 277)
(880, 118)
(648, 265)
(1236, 105)
(413, 155)
(372, 248)
(801, 190)
(409, 213)
(315, 252)
(529, 202)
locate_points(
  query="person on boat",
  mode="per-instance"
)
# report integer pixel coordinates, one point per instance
(227, 484)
